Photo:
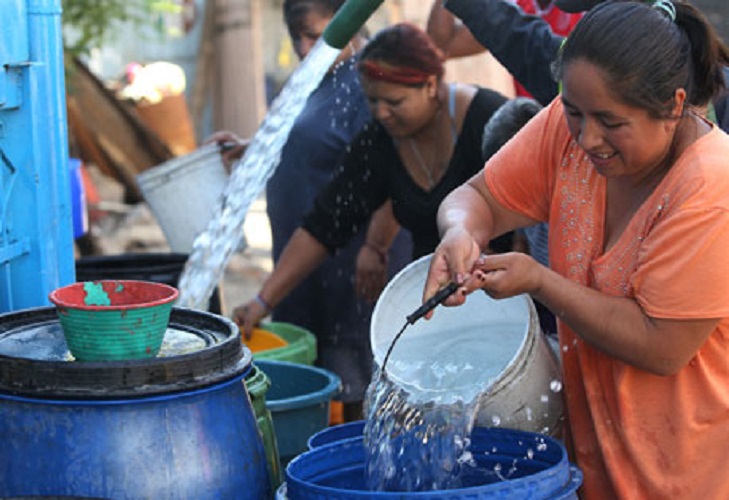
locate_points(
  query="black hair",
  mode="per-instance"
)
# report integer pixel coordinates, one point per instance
(295, 10)
(647, 56)
(506, 122)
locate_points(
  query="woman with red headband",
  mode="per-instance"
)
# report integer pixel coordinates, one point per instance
(424, 141)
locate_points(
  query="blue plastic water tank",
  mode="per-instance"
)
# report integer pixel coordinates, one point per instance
(176, 426)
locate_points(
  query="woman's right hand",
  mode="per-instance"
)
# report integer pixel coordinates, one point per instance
(453, 261)
(247, 316)
(232, 146)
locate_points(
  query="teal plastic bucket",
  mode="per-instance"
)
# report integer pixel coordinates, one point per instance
(301, 346)
(510, 464)
(298, 399)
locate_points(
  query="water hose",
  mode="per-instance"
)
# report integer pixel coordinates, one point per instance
(348, 20)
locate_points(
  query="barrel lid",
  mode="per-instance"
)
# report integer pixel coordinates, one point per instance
(199, 349)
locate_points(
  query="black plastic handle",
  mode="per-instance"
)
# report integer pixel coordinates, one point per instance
(432, 302)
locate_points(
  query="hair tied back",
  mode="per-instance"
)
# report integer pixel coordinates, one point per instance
(667, 7)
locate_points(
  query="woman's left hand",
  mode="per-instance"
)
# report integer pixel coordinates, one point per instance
(507, 274)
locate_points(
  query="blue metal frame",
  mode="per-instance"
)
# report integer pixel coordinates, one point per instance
(36, 232)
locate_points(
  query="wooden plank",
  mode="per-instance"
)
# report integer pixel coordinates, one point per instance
(116, 128)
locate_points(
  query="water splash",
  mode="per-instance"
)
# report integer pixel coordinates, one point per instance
(413, 445)
(214, 247)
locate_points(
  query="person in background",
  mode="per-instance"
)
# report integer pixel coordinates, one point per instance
(326, 302)
(633, 182)
(505, 123)
(423, 141)
(511, 35)
(456, 40)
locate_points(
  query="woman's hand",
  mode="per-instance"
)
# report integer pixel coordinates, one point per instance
(453, 261)
(371, 273)
(232, 147)
(508, 274)
(248, 315)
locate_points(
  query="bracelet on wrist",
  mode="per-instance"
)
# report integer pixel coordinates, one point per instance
(380, 253)
(263, 303)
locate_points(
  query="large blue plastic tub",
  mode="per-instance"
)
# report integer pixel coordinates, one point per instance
(535, 466)
(298, 399)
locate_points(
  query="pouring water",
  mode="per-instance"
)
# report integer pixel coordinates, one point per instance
(214, 247)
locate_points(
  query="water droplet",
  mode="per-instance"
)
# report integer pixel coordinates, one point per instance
(555, 386)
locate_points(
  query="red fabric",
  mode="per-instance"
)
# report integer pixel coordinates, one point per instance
(392, 74)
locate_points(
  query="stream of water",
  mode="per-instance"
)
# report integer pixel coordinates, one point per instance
(214, 247)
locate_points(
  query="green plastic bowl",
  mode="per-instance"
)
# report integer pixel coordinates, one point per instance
(301, 346)
(114, 320)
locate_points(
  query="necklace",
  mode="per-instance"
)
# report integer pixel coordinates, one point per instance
(421, 163)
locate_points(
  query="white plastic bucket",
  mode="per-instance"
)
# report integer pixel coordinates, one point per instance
(182, 194)
(488, 349)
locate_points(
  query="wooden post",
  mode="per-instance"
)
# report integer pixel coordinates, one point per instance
(239, 102)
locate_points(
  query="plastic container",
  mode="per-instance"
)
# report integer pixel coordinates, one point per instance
(492, 350)
(301, 346)
(158, 267)
(263, 340)
(112, 320)
(183, 193)
(298, 400)
(337, 433)
(257, 384)
(78, 198)
(177, 426)
(511, 464)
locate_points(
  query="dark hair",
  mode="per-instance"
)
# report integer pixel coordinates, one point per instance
(295, 10)
(506, 122)
(405, 45)
(647, 56)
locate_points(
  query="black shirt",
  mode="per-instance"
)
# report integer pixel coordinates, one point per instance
(371, 172)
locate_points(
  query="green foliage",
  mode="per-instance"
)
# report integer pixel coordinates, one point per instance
(87, 24)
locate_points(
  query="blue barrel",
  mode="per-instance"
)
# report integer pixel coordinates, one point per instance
(536, 465)
(298, 399)
(177, 426)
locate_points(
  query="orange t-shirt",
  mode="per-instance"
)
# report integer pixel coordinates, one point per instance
(635, 434)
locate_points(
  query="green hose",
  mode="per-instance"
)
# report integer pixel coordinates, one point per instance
(348, 20)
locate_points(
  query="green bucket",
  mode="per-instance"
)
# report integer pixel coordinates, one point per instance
(301, 346)
(257, 383)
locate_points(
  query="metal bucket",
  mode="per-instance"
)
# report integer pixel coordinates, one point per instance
(496, 350)
(177, 426)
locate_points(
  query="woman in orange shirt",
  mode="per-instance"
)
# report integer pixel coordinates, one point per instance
(635, 187)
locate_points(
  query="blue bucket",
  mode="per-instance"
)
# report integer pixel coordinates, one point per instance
(536, 467)
(336, 433)
(298, 400)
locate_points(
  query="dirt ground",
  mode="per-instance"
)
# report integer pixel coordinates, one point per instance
(119, 228)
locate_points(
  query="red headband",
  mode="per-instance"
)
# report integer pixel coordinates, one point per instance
(405, 76)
